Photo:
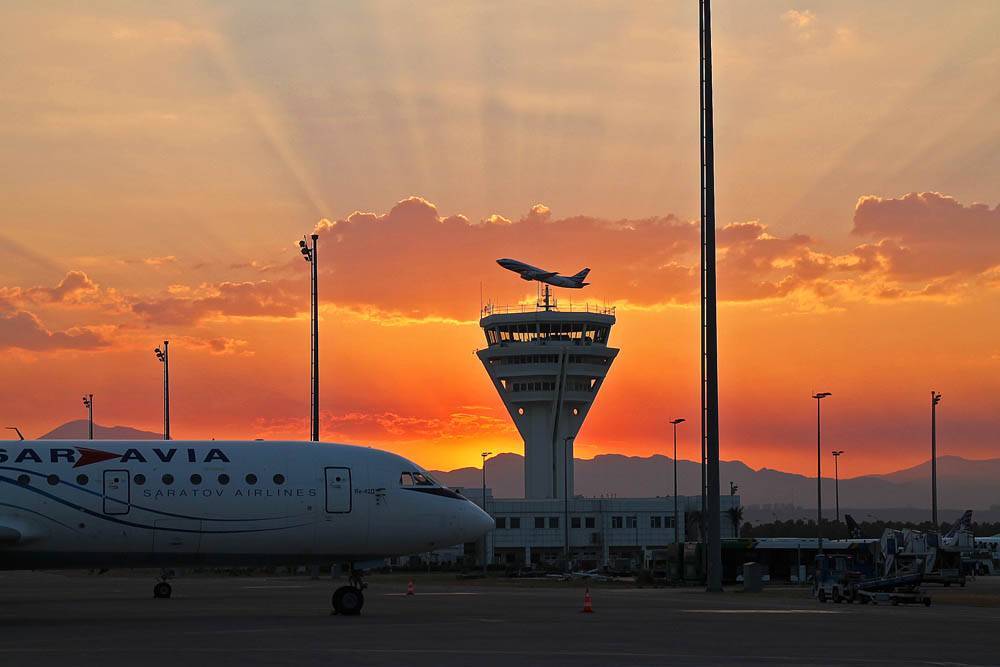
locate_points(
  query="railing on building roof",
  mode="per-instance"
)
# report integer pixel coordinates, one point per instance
(492, 309)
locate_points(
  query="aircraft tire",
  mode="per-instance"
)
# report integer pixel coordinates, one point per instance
(162, 591)
(348, 601)
(837, 598)
(821, 595)
(927, 601)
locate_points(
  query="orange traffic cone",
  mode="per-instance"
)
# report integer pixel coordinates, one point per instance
(409, 588)
(588, 604)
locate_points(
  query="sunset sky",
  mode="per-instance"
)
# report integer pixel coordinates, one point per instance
(159, 162)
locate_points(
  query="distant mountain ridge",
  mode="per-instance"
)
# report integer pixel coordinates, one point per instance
(77, 430)
(962, 482)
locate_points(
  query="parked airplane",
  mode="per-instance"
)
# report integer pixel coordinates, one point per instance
(529, 272)
(113, 504)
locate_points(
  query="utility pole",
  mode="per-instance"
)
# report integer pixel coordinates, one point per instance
(309, 254)
(677, 528)
(485, 535)
(88, 402)
(710, 341)
(566, 442)
(164, 357)
(819, 475)
(935, 399)
(836, 476)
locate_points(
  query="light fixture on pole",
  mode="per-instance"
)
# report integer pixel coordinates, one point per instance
(677, 528)
(88, 402)
(164, 357)
(836, 476)
(935, 399)
(16, 430)
(485, 536)
(819, 475)
(309, 254)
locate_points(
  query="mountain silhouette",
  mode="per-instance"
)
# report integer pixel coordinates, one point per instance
(962, 482)
(77, 430)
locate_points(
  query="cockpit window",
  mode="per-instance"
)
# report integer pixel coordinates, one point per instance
(422, 480)
(415, 479)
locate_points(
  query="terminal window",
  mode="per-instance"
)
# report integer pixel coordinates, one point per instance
(539, 522)
(553, 522)
(631, 522)
(515, 522)
(501, 522)
(668, 521)
(588, 522)
(656, 522)
(575, 522)
(616, 522)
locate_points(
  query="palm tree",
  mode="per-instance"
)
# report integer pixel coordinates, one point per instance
(736, 516)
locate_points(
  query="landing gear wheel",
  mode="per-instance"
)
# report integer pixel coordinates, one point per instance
(837, 598)
(348, 601)
(162, 590)
(927, 602)
(821, 595)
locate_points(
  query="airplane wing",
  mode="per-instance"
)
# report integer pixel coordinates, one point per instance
(540, 275)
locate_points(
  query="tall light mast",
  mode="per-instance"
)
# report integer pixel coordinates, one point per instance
(709, 321)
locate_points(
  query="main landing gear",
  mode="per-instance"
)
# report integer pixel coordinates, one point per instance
(162, 589)
(348, 600)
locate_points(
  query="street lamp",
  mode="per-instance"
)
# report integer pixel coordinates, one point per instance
(566, 457)
(88, 402)
(836, 475)
(677, 533)
(819, 475)
(164, 357)
(16, 430)
(935, 399)
(484, 455)
(309, 254)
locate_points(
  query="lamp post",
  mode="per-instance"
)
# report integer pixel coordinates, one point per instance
(16, 430)
(566, 456)
(677, 529)
(88, 402)
(836, 476)
(309, 254)
(484, 455)
(935, 399)
(819, 475)
(164, 358)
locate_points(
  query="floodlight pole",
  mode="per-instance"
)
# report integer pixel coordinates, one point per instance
(88, 402)
(819, 396)
(677, 529)
(315, 344)
(836, 476)
(485, 535)
(710, 342)
(163, 356)
(935, 399)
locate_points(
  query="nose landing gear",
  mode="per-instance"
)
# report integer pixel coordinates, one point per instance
(348, 600)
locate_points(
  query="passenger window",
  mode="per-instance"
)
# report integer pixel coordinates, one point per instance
(251, 479)
(168, 479)
(23, 480)
(196, 479)
(82, 480)
(53, 479)
(279, 479)
(223, 479)
(139, 479)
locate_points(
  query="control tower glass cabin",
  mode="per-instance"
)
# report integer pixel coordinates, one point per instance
(547, 365)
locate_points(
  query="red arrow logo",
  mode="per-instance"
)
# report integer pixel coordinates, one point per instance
(88, 456)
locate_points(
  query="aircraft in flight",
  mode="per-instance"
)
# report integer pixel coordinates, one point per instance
(529, 272)
(170, 503)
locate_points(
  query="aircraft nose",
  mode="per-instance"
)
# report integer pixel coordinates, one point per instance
(475, 522)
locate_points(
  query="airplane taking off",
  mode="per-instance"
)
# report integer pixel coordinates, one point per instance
(120, 503)
(529, 272)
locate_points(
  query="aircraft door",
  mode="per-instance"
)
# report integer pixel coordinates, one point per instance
(117, 494)
(338, 490)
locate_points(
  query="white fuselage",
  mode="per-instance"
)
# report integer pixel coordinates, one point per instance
(122, 503)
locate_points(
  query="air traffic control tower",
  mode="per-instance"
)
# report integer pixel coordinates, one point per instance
(547, 364)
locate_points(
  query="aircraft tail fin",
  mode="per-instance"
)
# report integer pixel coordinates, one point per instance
(852, 526)
(581, 274)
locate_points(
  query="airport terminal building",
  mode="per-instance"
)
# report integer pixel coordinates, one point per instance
(548, 365)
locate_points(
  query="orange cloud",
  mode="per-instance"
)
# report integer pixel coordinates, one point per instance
(23, 330)
(228, 299)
